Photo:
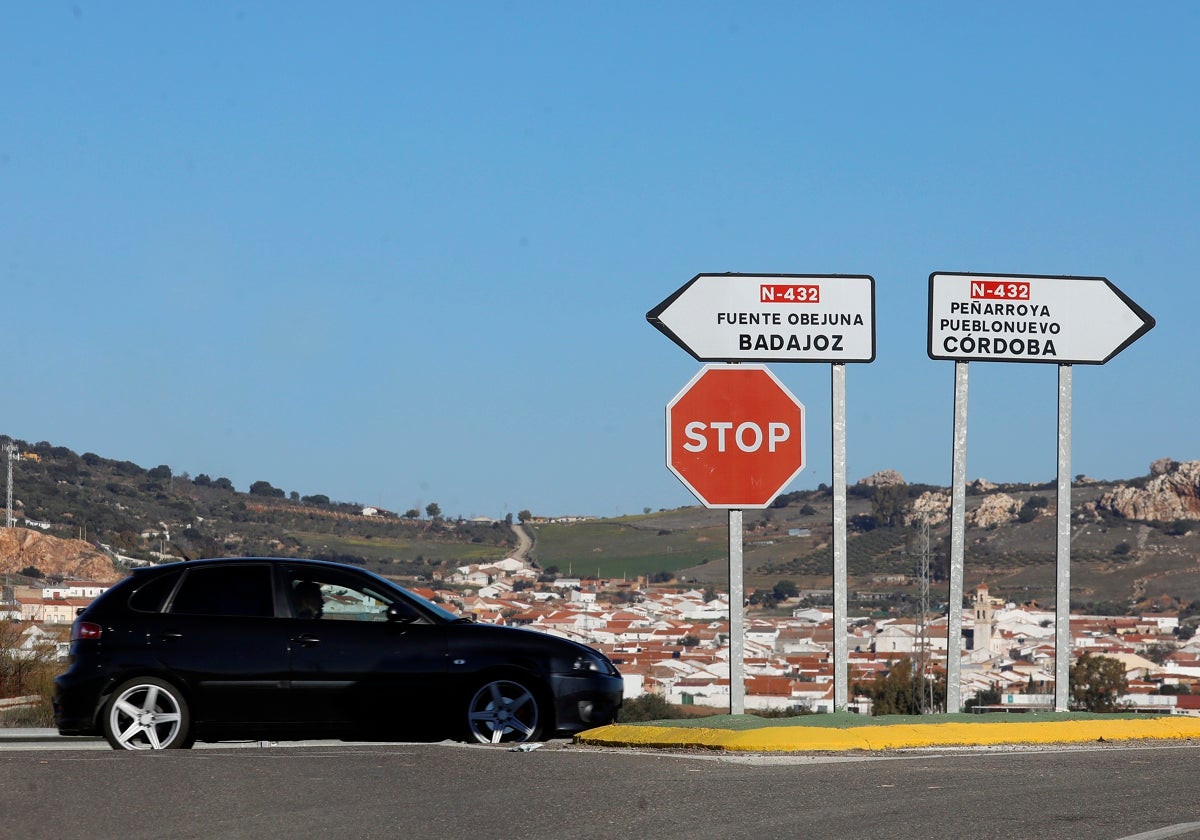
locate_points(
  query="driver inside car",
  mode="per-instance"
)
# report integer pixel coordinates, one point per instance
(308, 600)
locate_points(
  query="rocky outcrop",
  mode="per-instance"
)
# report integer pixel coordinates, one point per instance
(1163, 466)
(932, 508)
(1173, 492)
(21, 548)
(997, 509)
(883, 478)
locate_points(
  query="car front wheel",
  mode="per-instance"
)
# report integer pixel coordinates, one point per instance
(146, 714)
(504, 711)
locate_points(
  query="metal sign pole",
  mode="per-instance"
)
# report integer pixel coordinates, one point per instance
(840, 653)
(958, 504)
(737, 601)
(1062, 601)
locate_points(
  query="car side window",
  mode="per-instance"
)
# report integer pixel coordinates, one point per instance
(329, 597)
(226, 590)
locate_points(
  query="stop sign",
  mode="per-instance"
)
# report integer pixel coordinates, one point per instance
(735, 436)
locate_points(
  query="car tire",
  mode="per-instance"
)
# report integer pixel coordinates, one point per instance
(506, 711)
(146, 713)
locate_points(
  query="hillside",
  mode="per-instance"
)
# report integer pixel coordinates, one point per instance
(150, 515)
(1135, 542)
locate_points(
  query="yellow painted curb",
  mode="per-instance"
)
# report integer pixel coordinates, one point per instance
(897, 736)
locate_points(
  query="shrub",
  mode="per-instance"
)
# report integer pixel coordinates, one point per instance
(646, 707)
(1178, 528)
(789, 712)
(25, 675)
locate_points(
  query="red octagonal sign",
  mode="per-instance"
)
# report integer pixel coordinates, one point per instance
(735, 436)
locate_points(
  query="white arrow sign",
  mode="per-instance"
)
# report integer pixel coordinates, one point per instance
(1060, 320)
(771, 318)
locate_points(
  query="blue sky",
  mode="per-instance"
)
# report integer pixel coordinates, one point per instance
(401, 253)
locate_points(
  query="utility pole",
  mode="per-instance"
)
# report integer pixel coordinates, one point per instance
(923, 621)
(10, 449)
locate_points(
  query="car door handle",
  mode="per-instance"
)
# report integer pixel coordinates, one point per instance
(170, 636)
(307, 640)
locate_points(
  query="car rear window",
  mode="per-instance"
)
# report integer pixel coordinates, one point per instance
(226, 590)
(151, 595)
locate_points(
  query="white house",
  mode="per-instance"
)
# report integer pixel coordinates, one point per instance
(896, 638)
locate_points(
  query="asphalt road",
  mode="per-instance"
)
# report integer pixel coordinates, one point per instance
(563, 791)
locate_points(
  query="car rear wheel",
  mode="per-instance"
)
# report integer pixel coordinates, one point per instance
(504, 711)
(146, 714)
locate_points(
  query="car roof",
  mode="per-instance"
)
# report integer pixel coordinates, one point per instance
(223, 561)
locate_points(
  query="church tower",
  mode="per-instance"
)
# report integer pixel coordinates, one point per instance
(985, 618)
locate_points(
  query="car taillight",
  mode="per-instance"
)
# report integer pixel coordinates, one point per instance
(85, 630)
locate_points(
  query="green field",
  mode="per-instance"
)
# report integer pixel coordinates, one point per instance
(403, 556)
(628, 547)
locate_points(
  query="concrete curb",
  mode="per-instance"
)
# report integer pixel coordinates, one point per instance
(29, 735)
(891, 737)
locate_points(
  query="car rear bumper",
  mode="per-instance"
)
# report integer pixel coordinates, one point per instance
(76, 703)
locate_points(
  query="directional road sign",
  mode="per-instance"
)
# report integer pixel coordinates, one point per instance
(1059, 320)
(771, 318)
(735, 436)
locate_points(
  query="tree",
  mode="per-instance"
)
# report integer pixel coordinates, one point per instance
(433, 511)
(985, 697)
(1097, 684)
(888, 503)
(901, 691)
(264, 488)
(762, 598)
(863, 522)
(524, 516)
(1158, 652)
(785, 589)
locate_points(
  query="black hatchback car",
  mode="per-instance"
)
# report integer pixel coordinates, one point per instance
(275, 648)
